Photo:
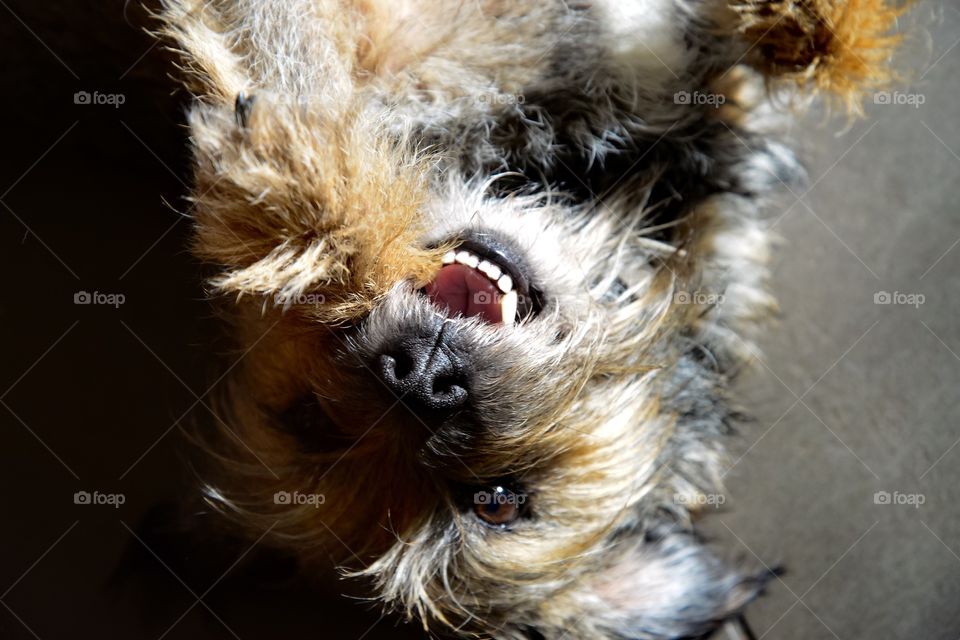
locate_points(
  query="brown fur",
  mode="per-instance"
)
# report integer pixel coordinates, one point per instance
(838, 47)
(328, 207)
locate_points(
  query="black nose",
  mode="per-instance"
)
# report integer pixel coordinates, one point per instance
(425, 370)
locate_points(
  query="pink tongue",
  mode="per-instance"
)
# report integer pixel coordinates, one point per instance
(465, 292)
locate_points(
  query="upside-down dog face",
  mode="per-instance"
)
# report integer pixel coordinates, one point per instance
(500, 398)
(560, 407)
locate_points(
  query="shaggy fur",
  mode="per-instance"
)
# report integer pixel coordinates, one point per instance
(836, 47)
(342, 146)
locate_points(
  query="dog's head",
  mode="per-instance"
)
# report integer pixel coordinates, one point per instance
(490, 400)
(501, 409)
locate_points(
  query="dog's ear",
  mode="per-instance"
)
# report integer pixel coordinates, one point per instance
(292, 201)
(838, 47)
(671, 588)
(298, 193)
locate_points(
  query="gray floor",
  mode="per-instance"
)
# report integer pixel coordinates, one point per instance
(853, 397)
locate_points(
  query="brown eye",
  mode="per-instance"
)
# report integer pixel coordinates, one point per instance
(498, 506)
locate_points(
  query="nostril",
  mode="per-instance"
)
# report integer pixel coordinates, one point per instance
(402, 364)
(446, 384)
(400, 371)
(448, 397)
(447, 391)
(390, 370)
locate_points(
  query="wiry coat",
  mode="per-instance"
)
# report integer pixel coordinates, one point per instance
(342, 146)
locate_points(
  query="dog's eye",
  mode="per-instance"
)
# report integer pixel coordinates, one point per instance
(498, 506)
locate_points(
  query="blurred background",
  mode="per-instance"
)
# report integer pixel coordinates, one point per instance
(847, 475)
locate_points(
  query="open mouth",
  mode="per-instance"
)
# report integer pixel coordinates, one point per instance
(484, 278)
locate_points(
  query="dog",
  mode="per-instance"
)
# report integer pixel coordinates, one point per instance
(490, 266)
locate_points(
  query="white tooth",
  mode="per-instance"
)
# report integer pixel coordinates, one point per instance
(468, 259)
(505, 283)
(493, 271)
(508, 307)
(449, 257)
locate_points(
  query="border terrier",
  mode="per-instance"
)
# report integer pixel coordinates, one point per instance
(491, 265)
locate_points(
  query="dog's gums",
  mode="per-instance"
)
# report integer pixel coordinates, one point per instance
(463, 290)
(483, 278)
